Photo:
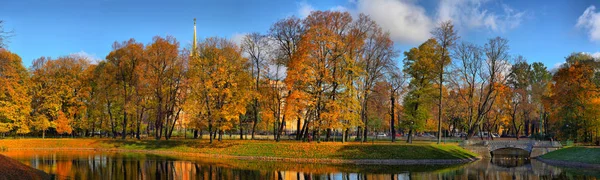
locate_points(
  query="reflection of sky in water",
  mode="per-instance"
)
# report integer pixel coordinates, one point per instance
(105, 165)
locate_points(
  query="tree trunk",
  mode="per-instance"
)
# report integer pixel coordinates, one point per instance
(281, 125)
(220, 135)
(343, 136)
(298, 129)
(241, 129)
(440, 109)
(392, 115)
(409, 138)
(124, 131)
(366, 121)
(210, 131)
(358, 133)
(255, 118)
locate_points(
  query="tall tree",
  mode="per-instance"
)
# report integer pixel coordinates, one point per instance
(220, 85)
(285, 35)
(320, 70)
(14, 100)
(397, 81)
(469, 66)
(518, 81)
(126, 58)
(446, 36)
(493, 74)
(164, 72)
(540, 80)
(256, 46)
(375, 51)
(418, 64)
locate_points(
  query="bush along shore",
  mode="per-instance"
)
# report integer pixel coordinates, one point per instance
(330, 152)
(586, 157)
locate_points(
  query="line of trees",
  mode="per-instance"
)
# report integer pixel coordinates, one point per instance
(328, 73)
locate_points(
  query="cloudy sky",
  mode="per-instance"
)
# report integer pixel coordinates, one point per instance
(545, 31)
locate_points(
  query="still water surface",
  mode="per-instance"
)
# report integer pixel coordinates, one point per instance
(111, 165)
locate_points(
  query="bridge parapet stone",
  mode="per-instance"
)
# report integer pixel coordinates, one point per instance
(535, 148)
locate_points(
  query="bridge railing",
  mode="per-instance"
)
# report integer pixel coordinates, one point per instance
(532, 143)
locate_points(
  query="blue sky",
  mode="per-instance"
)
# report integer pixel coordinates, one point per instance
(545, 31)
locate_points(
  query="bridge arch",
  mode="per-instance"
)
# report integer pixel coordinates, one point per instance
(486, 148)
(510, 152)
(508, 146)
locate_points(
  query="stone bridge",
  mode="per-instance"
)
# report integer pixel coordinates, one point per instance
(486, 148)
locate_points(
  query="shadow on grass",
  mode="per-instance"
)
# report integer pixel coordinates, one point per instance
(164, 144)
(402, 152)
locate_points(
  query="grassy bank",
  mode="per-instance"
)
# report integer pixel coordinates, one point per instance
(289, 149)
(589, 155)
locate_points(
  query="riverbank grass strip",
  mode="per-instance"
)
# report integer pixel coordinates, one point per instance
(289, 149)
(589, 155)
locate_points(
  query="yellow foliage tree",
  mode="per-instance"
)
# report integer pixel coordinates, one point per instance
(219, 85)
(14, 101)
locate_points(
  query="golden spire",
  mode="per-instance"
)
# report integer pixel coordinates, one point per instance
(194, 48)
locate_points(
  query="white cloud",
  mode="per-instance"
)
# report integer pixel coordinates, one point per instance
(556, 66)
(84, 55)
(590, 20)
(406, 21)
(409, 22)
(237, 38)
(305, 9)
(340, 8)
(470, 14)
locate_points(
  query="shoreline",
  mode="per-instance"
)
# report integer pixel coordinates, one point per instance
(13, 169)
(568, 164)
(275, 159)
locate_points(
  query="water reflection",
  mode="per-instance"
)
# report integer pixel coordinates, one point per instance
(105, 165)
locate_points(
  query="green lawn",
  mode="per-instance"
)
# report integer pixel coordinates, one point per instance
(589, 155)
(286, 149)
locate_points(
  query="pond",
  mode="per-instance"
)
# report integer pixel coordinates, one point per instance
(113, 165)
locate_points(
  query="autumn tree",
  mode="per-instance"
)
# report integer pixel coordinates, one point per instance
(105, 90)
(220, 85)
(317, 69)
(374, 50)
(575, 94)
(164, 73)
(285, 36)
(126, 57)
(446, 37)
(468, 65)
(14, 100)
(493, 64)
(59, 86)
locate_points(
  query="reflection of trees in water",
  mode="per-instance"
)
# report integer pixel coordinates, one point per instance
(122, 166)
